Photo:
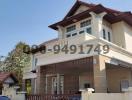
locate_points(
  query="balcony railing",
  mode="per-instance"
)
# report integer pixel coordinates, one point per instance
(78, 39)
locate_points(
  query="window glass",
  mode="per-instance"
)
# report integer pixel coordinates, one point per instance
(71, 28)
(74, 34)
(86, 85)
(36, 61)
(85, 23)
(88, 30)
(104, 34)
(109, 37)
(68, 35)
(124, 84)
(81, 32)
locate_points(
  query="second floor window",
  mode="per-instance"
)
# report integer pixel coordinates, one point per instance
(109, 36)
(71, 28)
(74, 34)
(85, 23)
(104, 34)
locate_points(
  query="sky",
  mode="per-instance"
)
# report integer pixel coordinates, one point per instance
(28, 20)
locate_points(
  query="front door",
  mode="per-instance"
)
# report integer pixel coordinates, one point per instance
(57, 84)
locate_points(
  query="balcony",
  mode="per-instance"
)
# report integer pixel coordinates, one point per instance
(73, 40)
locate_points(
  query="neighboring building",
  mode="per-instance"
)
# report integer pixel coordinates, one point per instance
(7, 79)
(108, 70)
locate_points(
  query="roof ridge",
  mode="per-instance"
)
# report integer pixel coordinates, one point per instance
(91, 4)
(78, 3)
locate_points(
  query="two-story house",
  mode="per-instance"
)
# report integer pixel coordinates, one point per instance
(93, 50)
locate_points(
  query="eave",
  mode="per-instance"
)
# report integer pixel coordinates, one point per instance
(97, 9)
(112, 16)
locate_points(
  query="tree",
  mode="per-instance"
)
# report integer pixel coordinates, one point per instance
(16, 61)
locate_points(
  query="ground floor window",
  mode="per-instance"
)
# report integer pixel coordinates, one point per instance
(124, 85)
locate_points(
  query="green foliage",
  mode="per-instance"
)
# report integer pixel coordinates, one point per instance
(16, 61)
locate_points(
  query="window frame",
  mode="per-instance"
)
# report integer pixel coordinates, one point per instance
(68, 35)
(74, 34)
(85, 23)
(108, 34)
(89, 32)
(71, 28)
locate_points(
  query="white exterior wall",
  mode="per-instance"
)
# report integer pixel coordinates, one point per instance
(121, 38)
(106, 96)
(115, 52)
(103, 96)
(122, 35)
(128, 37)
(11, 92)
(50, 58)
(118, 34)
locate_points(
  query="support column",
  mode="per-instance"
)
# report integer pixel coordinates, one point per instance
(33, 85)
(38, 81)
(99, 68)
(41, 78)
(97, 21)
(58, 84)
(46, 88)
(60, 32)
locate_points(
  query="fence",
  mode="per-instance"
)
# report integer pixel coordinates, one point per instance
(88, 95)
(54, 97)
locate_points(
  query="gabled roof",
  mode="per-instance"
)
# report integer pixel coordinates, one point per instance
(6, 75)
(76, 6)
(112, 16)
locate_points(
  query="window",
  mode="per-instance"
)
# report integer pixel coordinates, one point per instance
(104, 34)
(124, 84)
(86, 85)
(81, 32)
(68, 35)
(71, 28)
(36, 61)
(109, 37)
(85, 23)
(74, 34)
(88, 30)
